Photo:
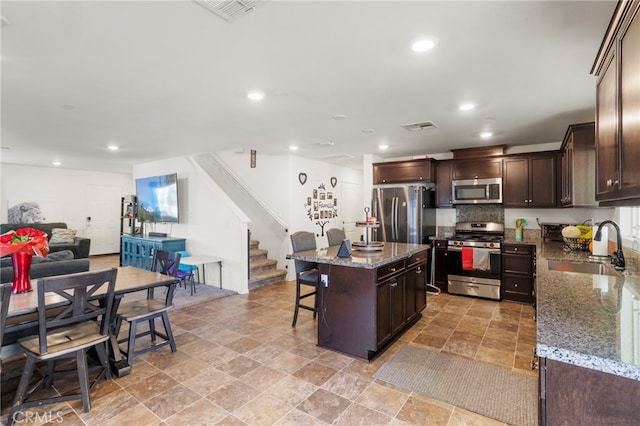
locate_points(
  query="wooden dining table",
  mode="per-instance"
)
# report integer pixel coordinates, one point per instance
(129, 279)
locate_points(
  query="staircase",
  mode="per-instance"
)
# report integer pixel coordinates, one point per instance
(262, 270)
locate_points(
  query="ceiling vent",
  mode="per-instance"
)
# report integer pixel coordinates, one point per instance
(337, 157)
(230, 10)
(420, 126)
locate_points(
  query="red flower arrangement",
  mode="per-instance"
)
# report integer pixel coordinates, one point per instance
(24, 240)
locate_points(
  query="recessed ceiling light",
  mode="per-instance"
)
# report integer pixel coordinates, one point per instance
(383, 146)
(56, 163)
(368, 130)
(293, 148)
(423, 45)
(113, 147)
(4, 21)
(339, 117)
(255, 96)
(486, 135)
(467, 106)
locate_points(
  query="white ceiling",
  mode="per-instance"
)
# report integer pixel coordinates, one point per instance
(167, 78)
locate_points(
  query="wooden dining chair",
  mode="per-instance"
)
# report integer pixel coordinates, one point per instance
(138, 312)
(335, 236)
(82, 323)
(306, 273)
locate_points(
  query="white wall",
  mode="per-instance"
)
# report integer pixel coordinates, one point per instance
(61, 193)
(275, 181)
(209, 221)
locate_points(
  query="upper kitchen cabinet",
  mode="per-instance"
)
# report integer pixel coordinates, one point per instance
(530, 180)
(443, 184)
(420, 170)
(579, 166)
(617, 66)
(477, 168)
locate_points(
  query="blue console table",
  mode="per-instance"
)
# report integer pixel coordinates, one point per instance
(138, 251)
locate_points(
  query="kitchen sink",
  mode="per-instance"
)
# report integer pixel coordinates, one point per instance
(581, 267)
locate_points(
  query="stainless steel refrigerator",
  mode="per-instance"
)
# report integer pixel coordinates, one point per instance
(406, 213)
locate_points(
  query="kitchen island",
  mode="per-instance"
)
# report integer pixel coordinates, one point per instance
(369, 299)
(588, 332)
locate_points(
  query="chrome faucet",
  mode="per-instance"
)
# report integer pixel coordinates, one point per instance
(617, 258)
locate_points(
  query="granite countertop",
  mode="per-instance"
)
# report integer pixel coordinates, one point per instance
(359, 258)
(588, 320)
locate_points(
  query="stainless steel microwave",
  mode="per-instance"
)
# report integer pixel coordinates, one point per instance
(476, 191)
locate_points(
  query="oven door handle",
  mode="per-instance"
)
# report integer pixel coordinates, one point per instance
(491, 251)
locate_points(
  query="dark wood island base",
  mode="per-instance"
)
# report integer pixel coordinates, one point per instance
(369, 299)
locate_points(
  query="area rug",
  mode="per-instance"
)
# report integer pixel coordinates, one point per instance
(183, 297)
(491, 391)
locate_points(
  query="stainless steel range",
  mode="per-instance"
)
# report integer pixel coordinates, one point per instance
(473, 263)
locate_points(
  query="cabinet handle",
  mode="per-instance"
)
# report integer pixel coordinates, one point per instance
(418, 271)
(515, 249)
(515, 285)
(531, 201)
(392, 269)
(609, 182)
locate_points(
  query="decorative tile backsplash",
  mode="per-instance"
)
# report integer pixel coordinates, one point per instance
(480, 213)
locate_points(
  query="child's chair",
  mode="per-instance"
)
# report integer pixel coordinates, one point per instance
(185, 272)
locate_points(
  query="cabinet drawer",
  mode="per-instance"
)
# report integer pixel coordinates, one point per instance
(518, 249)
(516, 264)
(417, 258)
(517, 288)
(387, 271)
(440, 244)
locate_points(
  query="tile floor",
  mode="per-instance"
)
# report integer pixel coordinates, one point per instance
(240, 362)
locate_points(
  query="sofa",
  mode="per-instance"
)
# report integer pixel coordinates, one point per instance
(80, 246)
(57, 263)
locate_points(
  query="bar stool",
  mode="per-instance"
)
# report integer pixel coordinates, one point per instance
(306, 272)
(335, 236)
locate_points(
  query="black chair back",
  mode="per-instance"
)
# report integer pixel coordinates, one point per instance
(81, 292)
(302, 241)
(166, 263)
(5, 298)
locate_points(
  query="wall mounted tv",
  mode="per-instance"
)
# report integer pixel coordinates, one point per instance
(158, 198)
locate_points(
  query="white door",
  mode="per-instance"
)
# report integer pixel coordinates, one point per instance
(103, 218)
(351, 211)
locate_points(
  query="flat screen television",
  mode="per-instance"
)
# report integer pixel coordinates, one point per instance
(158, 198)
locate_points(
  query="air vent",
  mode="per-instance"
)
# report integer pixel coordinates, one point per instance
(420, 126)
(230, 10)
(337, 157)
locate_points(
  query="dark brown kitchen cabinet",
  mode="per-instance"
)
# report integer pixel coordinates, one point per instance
(416, 285)
(618, 107)
(444, 171)
(477, 169)
(578, 166)
(419, 170)
(530, 181)
(390, 304)
(574, 395)
(440, 278)
(518, 272)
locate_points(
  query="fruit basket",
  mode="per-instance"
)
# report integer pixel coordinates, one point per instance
(577, 243)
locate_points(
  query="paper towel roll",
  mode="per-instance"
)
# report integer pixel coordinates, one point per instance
(601, 248)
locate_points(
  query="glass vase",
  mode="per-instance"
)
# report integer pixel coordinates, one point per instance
(21, 268)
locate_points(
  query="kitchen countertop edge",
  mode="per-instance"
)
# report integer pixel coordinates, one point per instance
(361, 259)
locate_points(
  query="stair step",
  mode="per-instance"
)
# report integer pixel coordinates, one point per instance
(262, 265)
(257, 254)
(267, 277)
(253, 244)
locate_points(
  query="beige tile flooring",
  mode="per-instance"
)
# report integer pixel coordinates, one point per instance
(240, 362)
